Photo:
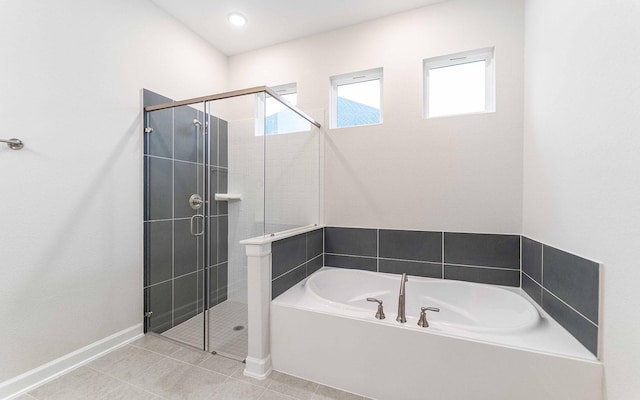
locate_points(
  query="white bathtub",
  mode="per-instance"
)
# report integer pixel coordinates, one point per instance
(487, 342)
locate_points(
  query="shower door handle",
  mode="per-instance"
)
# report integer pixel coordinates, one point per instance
(193, 225)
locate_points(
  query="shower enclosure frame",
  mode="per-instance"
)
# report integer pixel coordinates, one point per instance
(205, 129)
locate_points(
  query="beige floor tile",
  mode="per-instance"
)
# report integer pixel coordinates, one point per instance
(190, 356)
(24, 397)
(159, 345)
(233, 389)
(177, 380)
(126, 362)
(239, 375)
(292, 386)
(223, 365)
(128, 392)
(329, 393)
(80, 383)
(271, 395)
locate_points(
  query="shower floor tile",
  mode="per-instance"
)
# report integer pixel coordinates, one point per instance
(225, 338)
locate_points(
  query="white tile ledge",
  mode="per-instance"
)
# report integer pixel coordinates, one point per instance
(259, 240)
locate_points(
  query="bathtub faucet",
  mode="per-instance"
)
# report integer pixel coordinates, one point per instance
(402, 315)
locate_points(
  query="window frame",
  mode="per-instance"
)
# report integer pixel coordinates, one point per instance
(353, 78)
(485, 54)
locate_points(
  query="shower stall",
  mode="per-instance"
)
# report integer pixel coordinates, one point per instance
(219, 169)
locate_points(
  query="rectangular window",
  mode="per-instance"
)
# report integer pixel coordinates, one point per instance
(280, 119)
(461, 83)
(356, 98)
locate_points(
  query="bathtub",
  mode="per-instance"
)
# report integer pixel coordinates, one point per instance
(487, 342)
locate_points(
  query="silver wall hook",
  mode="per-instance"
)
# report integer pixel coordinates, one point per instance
(13, 143)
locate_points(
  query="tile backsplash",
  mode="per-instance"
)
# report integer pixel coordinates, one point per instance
(564, 285)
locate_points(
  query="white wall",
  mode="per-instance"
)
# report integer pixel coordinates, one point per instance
(71, 200)
(581, 157)
(457, 173)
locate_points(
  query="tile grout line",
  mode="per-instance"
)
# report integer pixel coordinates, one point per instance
(442, 256)
(377, 250)
(566, 304)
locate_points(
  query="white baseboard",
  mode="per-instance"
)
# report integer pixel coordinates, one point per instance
(23, 383)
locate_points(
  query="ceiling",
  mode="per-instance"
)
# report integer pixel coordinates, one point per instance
(277, 21)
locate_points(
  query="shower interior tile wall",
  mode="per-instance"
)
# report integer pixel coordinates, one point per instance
(564, 285)
(173, 165)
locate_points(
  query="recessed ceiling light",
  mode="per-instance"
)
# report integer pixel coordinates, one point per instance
(237, 19)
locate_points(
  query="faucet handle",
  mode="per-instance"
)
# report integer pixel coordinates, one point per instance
(423, 316)
(380, 312)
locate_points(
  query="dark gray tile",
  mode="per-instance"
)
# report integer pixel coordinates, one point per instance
(158, 241)
(223, 282)
(287, 254)
(314, 243)
(486, 250)
(185, 248)
(314, 264)
(159, 186)
(286, 281)
(185, 290)
(223, 146)
(411, 245)
(430, 270)
(492, 276)
(151, 98)
(201, 296)
(160, 141)
(213, 240)
(188, 142)
(532, 288)
(160, 301)
(579, 327)
(212, 275)
(223, 239)
(185, 184)
(573, 279)
(366, 263)
(213, 140)
(532, 259)
(355, 241)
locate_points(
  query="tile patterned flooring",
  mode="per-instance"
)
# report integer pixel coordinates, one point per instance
(153, 368)
(222, 337)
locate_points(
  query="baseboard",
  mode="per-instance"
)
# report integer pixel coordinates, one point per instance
(23, 383)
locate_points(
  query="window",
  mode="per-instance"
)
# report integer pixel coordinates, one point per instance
(460, 83)
(280, 119)
(356, 98)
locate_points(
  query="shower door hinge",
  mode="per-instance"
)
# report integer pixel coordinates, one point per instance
(148, 314)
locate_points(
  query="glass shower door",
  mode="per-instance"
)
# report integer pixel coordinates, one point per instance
(177, 228)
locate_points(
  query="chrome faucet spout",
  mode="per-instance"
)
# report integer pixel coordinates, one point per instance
(402, 315)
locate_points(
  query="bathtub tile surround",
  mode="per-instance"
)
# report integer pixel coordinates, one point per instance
(415, 268)
(490, 250)
(352, 241)
(295, 258)
(493, 276)
(173, 260)
(484, 258)
(410, 245)
(566, 286)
